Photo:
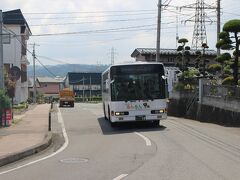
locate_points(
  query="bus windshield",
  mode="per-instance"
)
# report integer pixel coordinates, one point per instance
(137, 83)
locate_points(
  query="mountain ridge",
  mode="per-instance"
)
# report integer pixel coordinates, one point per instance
(62, 69)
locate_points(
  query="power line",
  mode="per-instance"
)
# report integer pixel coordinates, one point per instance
(54, 60)
(97, 31)
(103, 42)
(46, 68)
(84, 17)
(91, 22)
(112, 30)
(87, 12)
(150, 12)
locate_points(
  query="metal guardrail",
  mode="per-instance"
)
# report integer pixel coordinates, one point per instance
(220, 91)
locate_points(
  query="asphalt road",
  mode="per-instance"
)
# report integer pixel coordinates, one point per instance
(178, 149)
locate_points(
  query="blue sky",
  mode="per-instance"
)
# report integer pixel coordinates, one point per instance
(134, 23)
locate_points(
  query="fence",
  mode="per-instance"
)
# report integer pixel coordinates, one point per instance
(224, 97)
(219, 91)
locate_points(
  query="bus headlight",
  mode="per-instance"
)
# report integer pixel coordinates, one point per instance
(161, 111)
(121, 113)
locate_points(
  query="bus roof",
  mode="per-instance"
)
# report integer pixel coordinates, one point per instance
(133, 63)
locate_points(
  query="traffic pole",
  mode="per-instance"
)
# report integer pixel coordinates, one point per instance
(158, 30)
(1, 52)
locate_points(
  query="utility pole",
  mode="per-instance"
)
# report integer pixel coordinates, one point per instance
(177, 36)
(83, 89)
(90, 88)
(112, 56)
(158, 30)
(218, 23)
(34, 74)
(1, 52)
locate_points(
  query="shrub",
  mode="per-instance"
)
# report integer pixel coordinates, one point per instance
(5, 101)
(94, 98)
(179, 86)
(213, 68)
(22, 105)
(228, 81)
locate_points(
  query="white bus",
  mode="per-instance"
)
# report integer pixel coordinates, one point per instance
(134, 92)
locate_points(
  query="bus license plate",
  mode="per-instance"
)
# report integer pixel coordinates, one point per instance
(140, 118)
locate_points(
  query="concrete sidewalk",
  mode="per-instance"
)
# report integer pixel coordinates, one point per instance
(27, 136)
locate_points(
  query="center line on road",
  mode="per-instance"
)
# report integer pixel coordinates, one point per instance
(148, 142)
(121, 177)
(60, 119)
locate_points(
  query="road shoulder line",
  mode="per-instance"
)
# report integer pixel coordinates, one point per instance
(60, 120)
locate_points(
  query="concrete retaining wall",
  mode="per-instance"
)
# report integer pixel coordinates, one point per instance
(203, 113)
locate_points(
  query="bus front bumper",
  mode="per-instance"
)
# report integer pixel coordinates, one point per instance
(139, 118)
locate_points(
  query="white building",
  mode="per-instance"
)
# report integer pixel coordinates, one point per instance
(14, 50)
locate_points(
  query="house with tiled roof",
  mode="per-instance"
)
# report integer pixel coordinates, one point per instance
(49, 86)
(168, 56)
(16, 32)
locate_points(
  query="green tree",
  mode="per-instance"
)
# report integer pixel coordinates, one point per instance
(229, 40)
(202, 68)
(222, 67)
(183, 55)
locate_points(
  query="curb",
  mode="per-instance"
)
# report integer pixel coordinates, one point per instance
(7, 159)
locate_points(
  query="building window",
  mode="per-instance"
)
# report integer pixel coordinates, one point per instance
(170, 60)
(6, 69)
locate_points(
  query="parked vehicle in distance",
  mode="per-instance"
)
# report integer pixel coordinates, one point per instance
(134, 92)
(66, 97)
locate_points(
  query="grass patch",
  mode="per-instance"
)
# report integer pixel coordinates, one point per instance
(16, 121)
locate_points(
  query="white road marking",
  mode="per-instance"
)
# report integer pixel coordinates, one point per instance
(148, 142)
(60, 119)
(121, 177)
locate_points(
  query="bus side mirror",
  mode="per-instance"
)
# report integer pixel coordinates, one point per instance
(164, 77)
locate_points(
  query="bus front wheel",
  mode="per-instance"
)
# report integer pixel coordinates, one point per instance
(156, 123)
(113, 124)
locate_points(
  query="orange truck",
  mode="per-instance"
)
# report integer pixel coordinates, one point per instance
(66, 97)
